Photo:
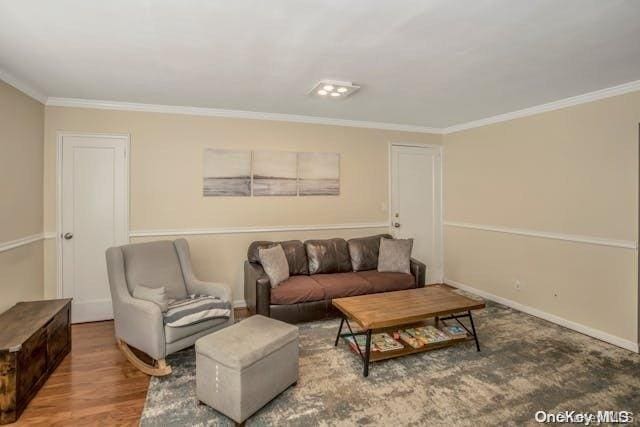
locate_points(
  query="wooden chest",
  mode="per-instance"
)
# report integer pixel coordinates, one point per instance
(34, 338)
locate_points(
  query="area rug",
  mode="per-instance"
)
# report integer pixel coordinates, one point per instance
(526, 365)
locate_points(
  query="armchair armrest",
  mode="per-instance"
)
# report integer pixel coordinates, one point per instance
(194, 285)
(220, 290)
(419, 271)
(257, 289)
(137, 322)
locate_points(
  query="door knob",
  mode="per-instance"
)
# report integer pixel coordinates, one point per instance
(68, 236)
(396, 224)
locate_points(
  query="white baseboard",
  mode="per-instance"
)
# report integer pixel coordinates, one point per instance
(239, 303)
(578, 327)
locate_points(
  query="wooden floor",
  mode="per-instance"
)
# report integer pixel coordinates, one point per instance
(94, 385)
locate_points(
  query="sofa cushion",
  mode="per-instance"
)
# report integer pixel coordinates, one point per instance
(153, 265)
(297, 289)
(364, 252)
(386, 282)
(293, 249)
(275, 264)
(338, 285)
(328, 256)
(395, 255)
(157, 296)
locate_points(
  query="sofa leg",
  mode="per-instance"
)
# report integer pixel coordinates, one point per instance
(160, 369)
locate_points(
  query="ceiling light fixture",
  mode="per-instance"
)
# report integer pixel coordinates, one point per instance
(334, 88)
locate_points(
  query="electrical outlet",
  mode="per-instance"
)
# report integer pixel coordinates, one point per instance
(518, 285)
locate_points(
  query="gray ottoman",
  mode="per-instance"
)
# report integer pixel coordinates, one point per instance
(241, 368)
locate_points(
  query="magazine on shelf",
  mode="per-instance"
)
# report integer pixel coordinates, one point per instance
(361, 341)
(385, 342)
(428, 334)
(454, 331)
(413, 342)
(379, 342)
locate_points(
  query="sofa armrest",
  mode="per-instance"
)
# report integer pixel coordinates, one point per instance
(419, 271)
(257, 289)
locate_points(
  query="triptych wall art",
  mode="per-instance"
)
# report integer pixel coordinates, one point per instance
(270, 173)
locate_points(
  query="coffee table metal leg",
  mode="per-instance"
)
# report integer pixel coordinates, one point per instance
(367, 353)
(473, 328)
(339, 331)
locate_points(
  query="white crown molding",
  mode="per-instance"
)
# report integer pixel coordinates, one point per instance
(245, 230)
(13, 244)
(236, 114)
(590, 240)
(578, 327)
(23, 87)
(555, 105)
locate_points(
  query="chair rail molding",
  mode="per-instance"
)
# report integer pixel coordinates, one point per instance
(259, 229)
(576, 238)
(13, 244)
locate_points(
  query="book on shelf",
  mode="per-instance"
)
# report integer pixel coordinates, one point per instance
(358, 341)
(428, 334)
(385, 342)
(379, 342)
(409, 339)
(454, 331)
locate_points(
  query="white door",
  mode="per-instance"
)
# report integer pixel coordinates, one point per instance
(416, 203)
(94, 205)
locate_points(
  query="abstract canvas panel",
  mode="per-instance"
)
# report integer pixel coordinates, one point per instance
(226, 173)
(275, 173)
(318, 174)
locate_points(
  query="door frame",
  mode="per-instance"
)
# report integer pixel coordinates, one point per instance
(439, 215)
(60, 135)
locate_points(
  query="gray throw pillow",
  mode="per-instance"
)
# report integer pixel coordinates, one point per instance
(395, 255)
(275, 264)
(155, 295)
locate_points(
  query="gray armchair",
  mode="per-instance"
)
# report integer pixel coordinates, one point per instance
(139, 323)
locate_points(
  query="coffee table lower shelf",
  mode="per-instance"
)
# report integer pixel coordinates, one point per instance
(376, 356)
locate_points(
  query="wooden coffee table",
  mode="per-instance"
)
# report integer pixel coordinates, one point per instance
(386, 312)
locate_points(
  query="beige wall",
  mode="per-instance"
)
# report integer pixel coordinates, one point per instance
(21, 137)
(166, 179)
(571, 171)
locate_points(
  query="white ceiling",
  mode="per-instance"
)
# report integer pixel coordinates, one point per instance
(432, 63)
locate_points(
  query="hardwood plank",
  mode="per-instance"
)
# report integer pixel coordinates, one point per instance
(94, 384)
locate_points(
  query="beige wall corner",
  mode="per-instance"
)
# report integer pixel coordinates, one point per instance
(571, 172)
(21, 195)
